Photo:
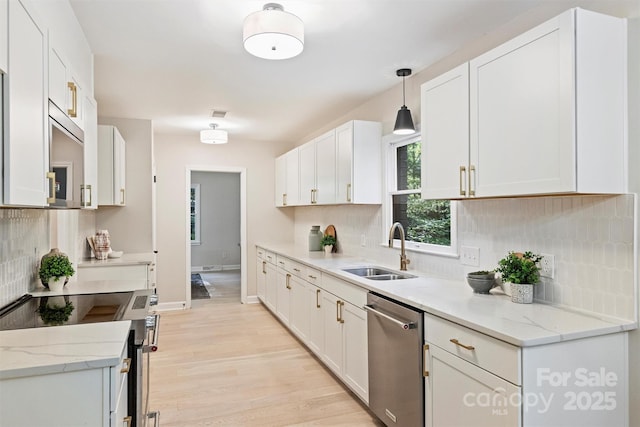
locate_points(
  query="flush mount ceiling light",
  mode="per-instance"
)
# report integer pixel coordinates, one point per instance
(273, 33)
(213, 135)
(404, 122)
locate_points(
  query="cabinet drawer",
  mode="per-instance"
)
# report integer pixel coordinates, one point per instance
(114, 272)
(260, 252)
(345, 290)
(291, 266)
(312, 275)
(498, 357)
(270, 257)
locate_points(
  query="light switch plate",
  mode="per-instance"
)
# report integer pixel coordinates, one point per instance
(470, 255)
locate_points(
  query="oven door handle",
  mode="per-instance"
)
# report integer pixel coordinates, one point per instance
(155, 327)
(404, 325)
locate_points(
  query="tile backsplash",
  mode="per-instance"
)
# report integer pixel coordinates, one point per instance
(591, 238)
(24, 238)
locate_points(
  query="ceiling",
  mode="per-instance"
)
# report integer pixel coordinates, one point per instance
(174, 61)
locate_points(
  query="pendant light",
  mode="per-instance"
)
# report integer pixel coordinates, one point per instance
(213, 135)
(272, 33)
(404, 122)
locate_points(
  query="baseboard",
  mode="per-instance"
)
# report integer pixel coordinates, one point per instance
(252, 299)
(170, 306)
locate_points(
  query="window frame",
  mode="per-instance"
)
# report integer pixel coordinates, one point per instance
(390, 144)
(195, 190)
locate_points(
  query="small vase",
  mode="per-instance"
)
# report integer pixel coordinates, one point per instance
(328, 249)
(102, 244)
(522, 293)
(56, 284)
(315, 237)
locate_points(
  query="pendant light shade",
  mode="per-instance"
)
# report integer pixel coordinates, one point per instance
(273, 33)
(213, 135)
(404, 122)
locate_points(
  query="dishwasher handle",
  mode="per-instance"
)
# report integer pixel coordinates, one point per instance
(404, 325)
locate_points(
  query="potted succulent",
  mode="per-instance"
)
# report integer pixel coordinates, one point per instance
(521, 271)
(327, 242)
(481, 281)
(53, 268)
(55, 311)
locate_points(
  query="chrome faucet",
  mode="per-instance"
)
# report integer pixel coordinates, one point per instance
(403, 257)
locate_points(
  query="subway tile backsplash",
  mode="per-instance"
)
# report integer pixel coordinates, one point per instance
(591, 238)
(24, 238)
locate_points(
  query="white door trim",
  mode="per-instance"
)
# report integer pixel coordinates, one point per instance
(243, 225)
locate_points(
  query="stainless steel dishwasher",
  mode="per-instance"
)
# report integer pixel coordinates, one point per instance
(396, 382)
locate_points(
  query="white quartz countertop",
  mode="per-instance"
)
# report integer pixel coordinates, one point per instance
(493, 314)
(125, 259)
(55, 349)
(92, 287)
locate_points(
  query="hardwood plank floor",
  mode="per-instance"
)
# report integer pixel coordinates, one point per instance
(236, 365)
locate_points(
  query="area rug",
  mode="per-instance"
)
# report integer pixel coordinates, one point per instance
(198, 289)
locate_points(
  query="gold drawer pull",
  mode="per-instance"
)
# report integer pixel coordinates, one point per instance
(126, 365)
(317, 298)
(466, 347)
(312, 277)
(127, 421)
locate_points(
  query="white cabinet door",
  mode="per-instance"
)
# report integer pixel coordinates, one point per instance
(283, 297)
(326, 168)
(358, 174)
(292, 178)
(111, 166)
(4, 36)
(26, 145)
(445, 135)
(261, 278)
(479, 397)
(271, 287)
(332, 325)
(281, 181)
(64, 87)
(300, 307)
(307, 156)
(356, 355)
(89, 195)
(314, 302)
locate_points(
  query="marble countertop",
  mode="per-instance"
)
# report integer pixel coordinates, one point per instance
(493, 314)
(92, 287)
(40, 351)
(125, 259)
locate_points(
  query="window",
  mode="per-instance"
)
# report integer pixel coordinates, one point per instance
(195, 214)
(428, 224)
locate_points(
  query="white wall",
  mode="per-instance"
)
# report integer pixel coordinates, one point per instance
(219, 220)
(130, 226)
(265, 223)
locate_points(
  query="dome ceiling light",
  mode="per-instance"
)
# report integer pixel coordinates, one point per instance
(213, 135)
(272, 33)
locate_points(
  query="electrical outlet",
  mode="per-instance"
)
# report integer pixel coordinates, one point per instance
(547, 266)
(470, 255)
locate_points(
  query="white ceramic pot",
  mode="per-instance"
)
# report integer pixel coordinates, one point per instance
(56, 284)
(328, 249)
(522, 293)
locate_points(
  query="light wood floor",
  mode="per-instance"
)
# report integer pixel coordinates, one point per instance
(223, 286)
(236, 365)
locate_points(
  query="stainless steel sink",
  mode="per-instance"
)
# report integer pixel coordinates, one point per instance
(377, 273)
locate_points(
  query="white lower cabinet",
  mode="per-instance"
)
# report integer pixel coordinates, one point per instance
(261, 279)
(300, 307)
(271, 283)
(283, 296)
(493, 383)
(116, 272)
(98, 397)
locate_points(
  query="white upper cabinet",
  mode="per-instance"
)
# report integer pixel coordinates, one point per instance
(547, 115)
(445, 135)
(287, 179)
(26, 154)
(111, 167)
(65, 89)
(318, 170)
(4, 35)
(359, 170)
(89, 195)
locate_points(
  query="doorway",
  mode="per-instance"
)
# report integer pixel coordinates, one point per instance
(216, 234)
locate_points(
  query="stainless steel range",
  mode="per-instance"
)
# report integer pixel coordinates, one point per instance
(26, 313)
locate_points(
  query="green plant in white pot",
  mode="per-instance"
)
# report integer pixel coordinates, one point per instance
(328, 242)
(55, 270)
(521, 271)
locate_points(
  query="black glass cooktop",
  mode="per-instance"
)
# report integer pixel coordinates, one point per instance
(37, 312)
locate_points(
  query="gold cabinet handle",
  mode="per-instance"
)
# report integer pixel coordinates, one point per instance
(466, 347)
(338, 311)
(287, 281)
(472, 178)
(284, 199)
(463, 172)
(51, 176)
(127, 421)
(122, 196)
(83, 190)
(311, 277)
(425, 360)
(317, 298)
(126, 366)
(348, 192)
(73, 111)
(264, 265)
(297, 270)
